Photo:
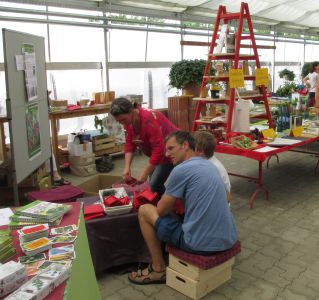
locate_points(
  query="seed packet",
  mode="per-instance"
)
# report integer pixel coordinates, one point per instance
(36, 244)
(63, 230)
(32, 258)
(47, 264)
(60, 239)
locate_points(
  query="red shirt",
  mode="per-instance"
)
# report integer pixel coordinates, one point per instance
(154, 127)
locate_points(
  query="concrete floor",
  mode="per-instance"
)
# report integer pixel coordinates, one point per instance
(280, 240)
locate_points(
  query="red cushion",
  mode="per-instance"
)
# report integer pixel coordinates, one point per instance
(63, 193)
(203, 261)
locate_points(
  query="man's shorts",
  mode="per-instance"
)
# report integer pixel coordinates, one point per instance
(169, 230)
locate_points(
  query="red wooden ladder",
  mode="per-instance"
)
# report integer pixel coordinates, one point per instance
(235, 57)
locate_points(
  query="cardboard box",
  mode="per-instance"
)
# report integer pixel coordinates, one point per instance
(84, 170)
(80, 149)
(82, 160)
(98, 182)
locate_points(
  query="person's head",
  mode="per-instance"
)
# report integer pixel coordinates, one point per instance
(315, 66)
(180, 145)
(204, 144)
(122, 110)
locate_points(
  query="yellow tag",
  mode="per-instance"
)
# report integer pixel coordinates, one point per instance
(269, 133)
(236, 78)
(297, 131)
(262, 76)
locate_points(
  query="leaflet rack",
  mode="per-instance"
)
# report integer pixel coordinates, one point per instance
(233, 59)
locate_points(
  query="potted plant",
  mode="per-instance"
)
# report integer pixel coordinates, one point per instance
(188, 74)
(306, 69)
(286, 89)
(286, 74)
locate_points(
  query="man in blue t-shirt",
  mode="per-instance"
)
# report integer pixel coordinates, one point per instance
(208, 225)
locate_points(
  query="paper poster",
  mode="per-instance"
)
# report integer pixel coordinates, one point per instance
(30, 71)
(262, 76)
(33, 129)
(236, 78)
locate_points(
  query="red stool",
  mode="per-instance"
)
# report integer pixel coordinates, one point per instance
(196, 275)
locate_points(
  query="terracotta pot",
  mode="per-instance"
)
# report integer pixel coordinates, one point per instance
(191, 90)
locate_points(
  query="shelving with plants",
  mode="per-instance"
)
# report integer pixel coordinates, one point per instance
(236, 61)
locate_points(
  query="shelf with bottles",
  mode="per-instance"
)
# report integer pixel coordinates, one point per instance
(227, 99)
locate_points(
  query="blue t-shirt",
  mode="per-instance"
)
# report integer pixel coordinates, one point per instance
(208, 223)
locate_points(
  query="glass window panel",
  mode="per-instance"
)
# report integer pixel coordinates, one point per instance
(312, 53)
(163, 47)
(29, 28)
(151, 83)
(72, 86)
(74, 43)
(284, 51)
(280, 81)
(126, 45)
(196, 52)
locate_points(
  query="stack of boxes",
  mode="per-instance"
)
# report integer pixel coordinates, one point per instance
(81, 158)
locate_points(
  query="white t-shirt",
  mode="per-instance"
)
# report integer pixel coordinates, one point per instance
(222, 171)
(313, 79)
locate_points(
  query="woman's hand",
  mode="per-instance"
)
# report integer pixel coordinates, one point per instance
(127, 175)
(142, 178)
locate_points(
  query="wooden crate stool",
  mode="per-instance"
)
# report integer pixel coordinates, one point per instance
(197, 275)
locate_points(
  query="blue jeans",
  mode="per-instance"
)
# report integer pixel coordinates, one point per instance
(159, 177)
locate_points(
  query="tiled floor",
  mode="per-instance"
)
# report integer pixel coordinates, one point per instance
(280, 239)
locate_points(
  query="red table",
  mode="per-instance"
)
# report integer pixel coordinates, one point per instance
(261, 157)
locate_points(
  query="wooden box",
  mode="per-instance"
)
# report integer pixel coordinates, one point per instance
(115, 149)
(193, 281)
(102, 142)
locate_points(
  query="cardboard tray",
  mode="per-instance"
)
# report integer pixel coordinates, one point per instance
(116, 210)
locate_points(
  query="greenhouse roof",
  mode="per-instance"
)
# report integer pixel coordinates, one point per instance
(297, 16)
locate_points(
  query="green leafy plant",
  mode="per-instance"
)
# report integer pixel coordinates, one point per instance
(187, 72)
(98, 122)
(290, 75)
(306, 69)
(286, 89)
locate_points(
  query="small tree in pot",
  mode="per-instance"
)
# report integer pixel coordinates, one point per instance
(188, 73)
(287, 75)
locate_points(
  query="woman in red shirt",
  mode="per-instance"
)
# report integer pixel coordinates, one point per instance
(146, 129)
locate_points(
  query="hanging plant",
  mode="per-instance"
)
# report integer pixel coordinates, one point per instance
(285, 73)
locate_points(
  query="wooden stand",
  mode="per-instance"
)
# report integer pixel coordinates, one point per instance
(194, 282)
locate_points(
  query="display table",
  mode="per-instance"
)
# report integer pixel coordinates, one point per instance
(82, 284)
(261, 157)
(67, 114)
(115, 240)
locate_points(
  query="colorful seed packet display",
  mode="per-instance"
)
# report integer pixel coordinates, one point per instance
(31, 259)
(62, 239)
(30, 233)
(62, 253)
(36, 246)
(63, 229)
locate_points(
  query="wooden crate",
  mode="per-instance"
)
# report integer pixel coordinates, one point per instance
(115, 149)
(193, 281)
(102, 142)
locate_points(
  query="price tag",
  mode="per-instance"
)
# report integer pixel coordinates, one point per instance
(236, 78)
(262, 76)
(297, 131)
(269, 133)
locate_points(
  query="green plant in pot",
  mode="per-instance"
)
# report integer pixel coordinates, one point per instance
(306, 69)
(188, 74)
(286, 89)
(287, 74)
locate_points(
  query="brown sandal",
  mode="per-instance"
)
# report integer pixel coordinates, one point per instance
(152, 277)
